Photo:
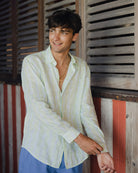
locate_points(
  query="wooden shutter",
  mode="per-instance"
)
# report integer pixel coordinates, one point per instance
(5, 40)
(27, 29)
(18, 35)
(52, 5)
(110, 43)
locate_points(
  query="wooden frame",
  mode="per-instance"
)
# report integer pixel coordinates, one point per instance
(40, 25)
(136, 45)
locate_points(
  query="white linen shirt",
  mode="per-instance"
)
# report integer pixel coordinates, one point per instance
(54, 118)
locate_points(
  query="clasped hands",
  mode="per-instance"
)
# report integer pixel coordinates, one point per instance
(104, 159)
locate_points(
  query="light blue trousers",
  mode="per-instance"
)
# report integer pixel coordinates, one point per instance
(28, 164)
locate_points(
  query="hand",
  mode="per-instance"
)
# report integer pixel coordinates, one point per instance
(106, 163)
(88, 145)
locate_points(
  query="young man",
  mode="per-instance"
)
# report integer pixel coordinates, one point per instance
(61, 127)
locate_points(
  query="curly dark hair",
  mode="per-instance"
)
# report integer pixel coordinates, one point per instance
(65, 19)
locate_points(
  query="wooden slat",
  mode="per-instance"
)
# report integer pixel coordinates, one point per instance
(29, 43)
(111, 60)
(50, 1)
(130, 113)
(28, 26)
(5, 53)
(135, 139)
(71, 7)
(5, 22)
(28, 8)
(5, 28)
(111, 50)
(111, 32)
(6, 37)
(60, 4)
(4, 12)
(2, 58)
(26, 3)
(4, 47)
(32, 19)
(111, 14)
(6, 63)
(108, 6)
(92, 2)
(5, 6)
(31, 13)
(3, 2)
(111, 23)
(111, 41)
(118, 81)
(107, 122)
(119, 135)
(4, 17)
(112, 68)
(8, 67)
(28, 50)
(26, 38)
(28, 32)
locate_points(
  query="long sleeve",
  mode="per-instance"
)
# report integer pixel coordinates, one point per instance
(88, 115)
(38, 108)
(53, 118)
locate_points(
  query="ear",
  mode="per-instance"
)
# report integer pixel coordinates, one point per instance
(75, 36)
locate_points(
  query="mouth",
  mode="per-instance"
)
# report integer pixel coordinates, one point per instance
(57, 44)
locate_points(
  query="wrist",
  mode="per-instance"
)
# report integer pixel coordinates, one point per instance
(78, 139)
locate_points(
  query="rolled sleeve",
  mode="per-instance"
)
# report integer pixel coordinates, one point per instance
(71, 134)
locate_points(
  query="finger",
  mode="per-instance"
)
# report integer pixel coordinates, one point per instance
(98, 151)
(99, 148)
(103, 168)
(108, 170)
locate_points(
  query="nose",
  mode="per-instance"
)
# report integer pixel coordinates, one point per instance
(56, 36)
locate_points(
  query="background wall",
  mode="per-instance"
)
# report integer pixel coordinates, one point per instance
(118, 120)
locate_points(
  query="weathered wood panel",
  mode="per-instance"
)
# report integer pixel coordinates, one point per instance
(118, 120)
(107, 122)
(131, 137)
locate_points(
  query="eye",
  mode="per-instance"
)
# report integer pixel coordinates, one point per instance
(65, 32)
(51, 29)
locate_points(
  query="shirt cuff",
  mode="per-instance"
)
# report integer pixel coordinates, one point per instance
(71, 134)
(105, 149)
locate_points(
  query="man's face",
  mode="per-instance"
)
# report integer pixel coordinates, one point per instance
(61, 39)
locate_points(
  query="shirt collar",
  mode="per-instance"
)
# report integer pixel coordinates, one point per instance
(51, 60)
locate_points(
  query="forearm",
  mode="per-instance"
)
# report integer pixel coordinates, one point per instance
(88, 145)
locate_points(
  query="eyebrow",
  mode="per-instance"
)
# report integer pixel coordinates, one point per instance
(66, 29)
(69, 30)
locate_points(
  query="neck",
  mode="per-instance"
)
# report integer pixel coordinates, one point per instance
(61, 58)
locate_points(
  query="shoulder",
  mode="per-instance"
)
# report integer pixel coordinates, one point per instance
(38, 56)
